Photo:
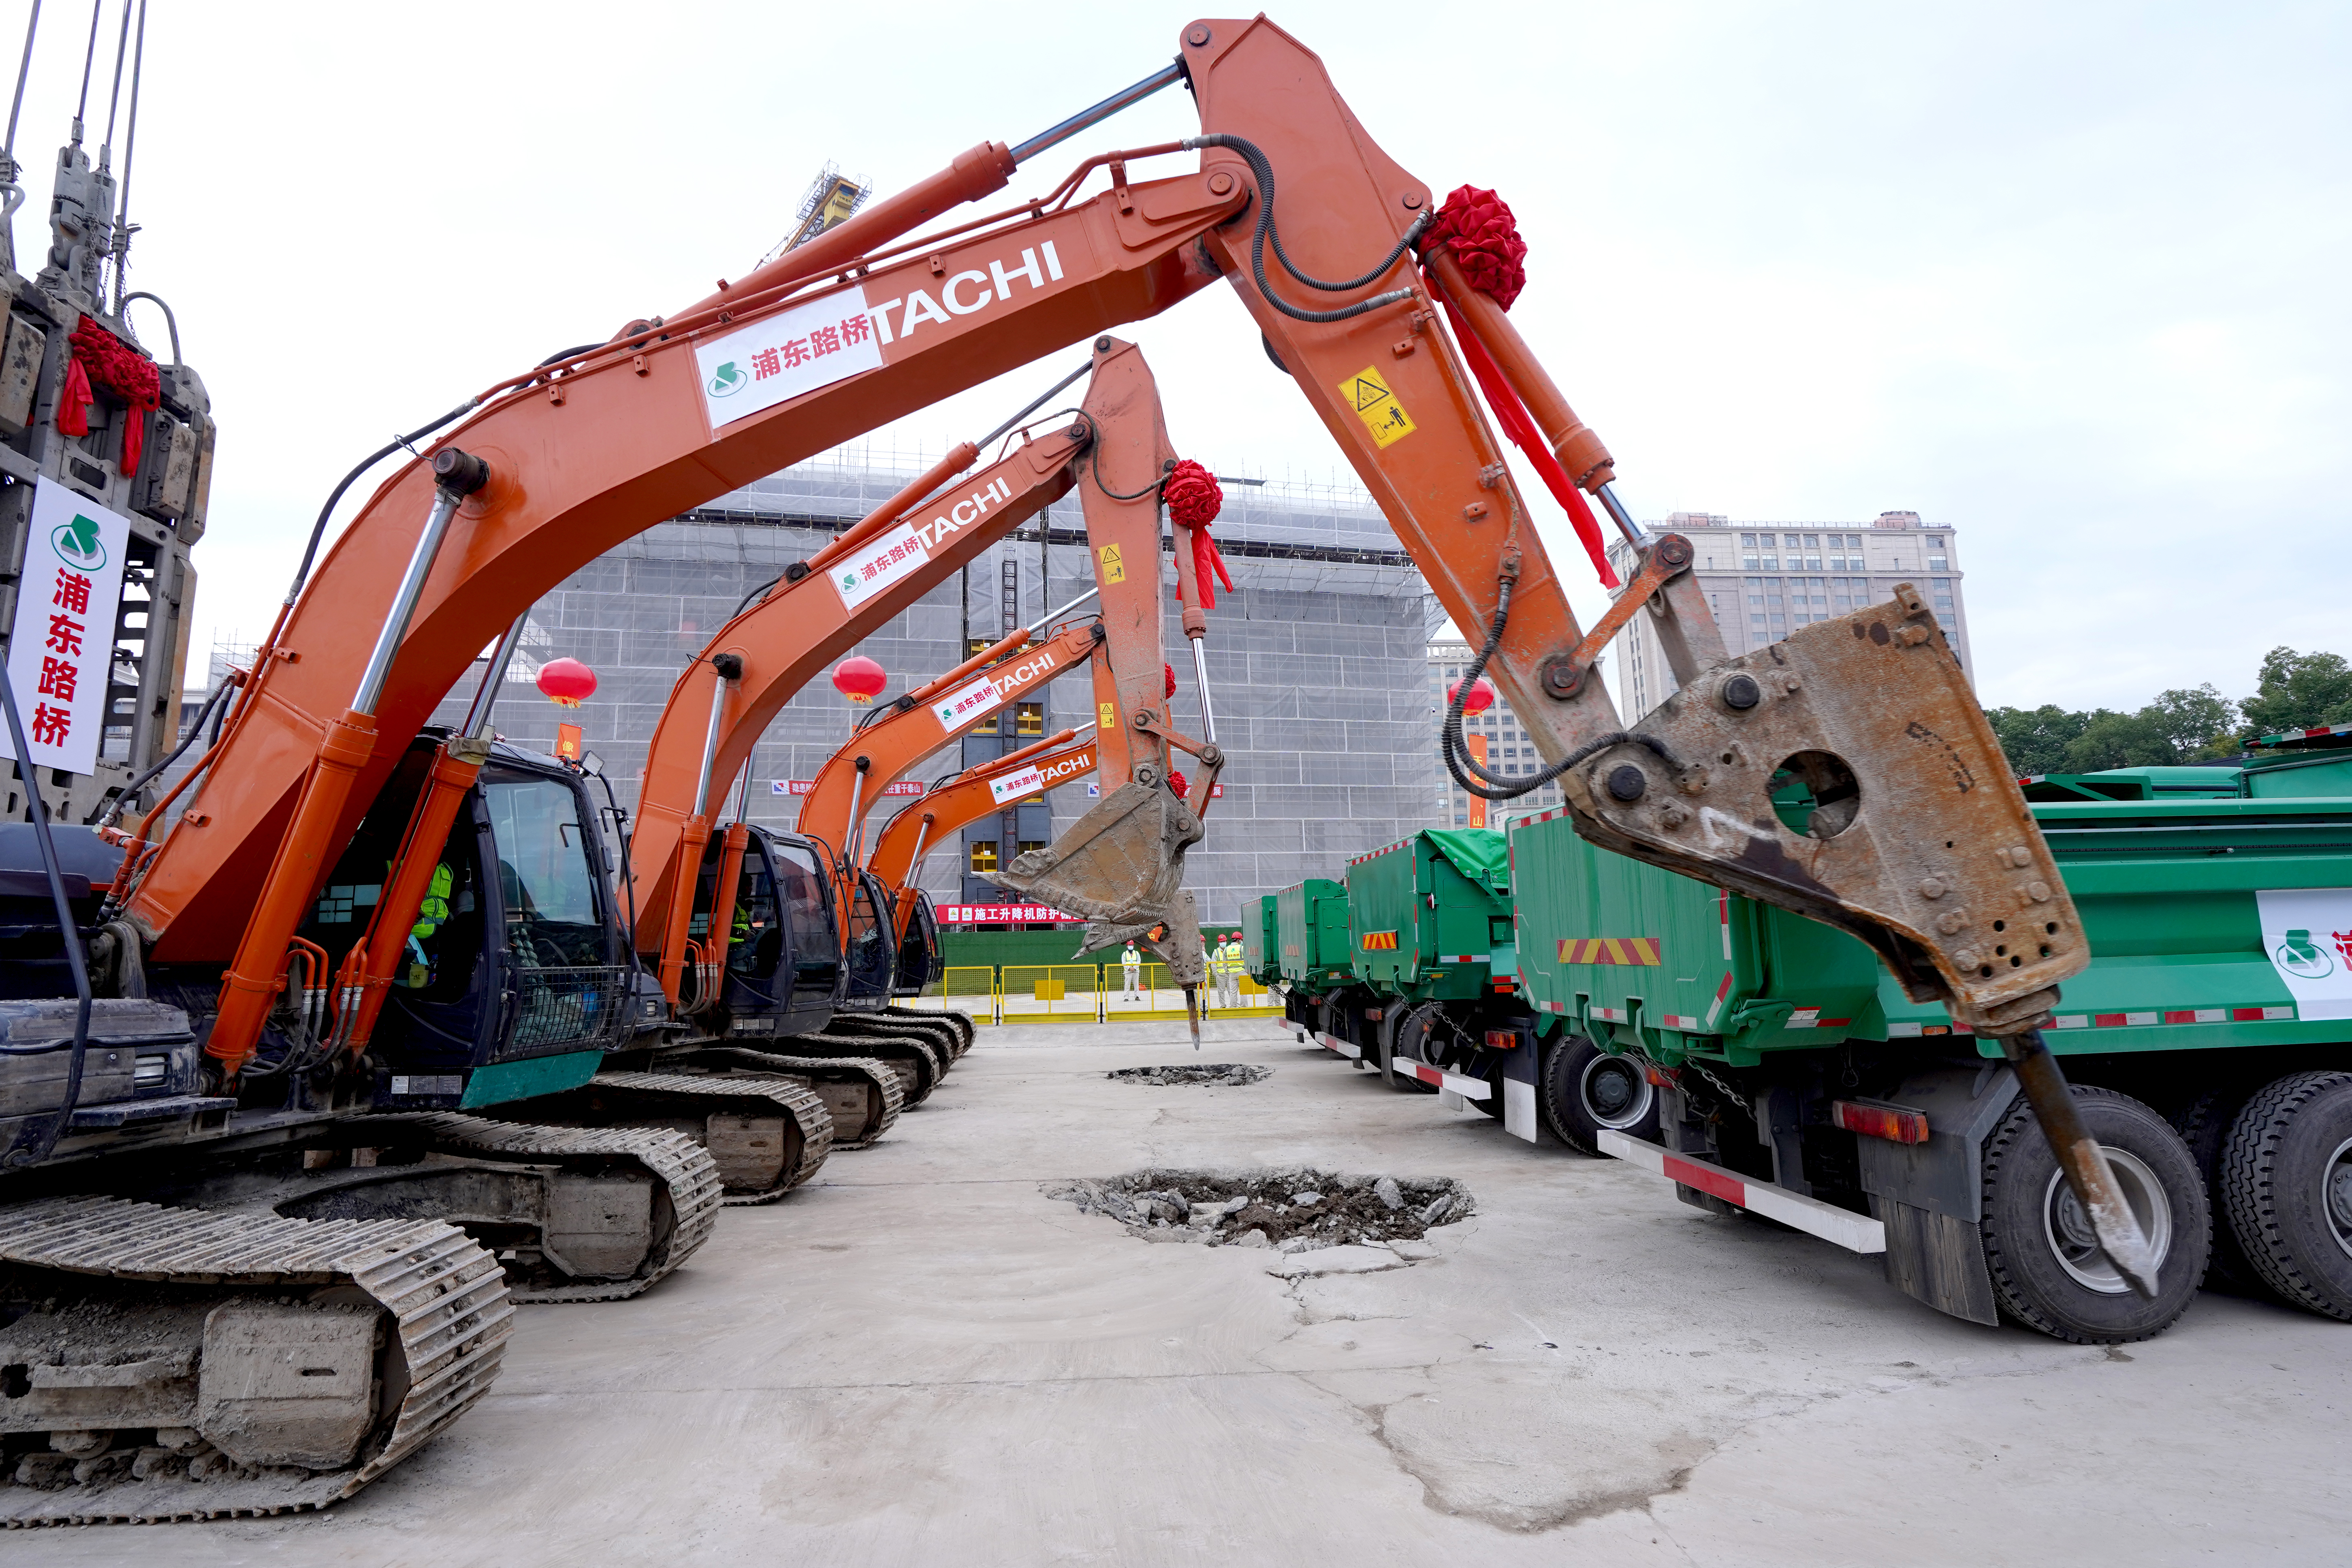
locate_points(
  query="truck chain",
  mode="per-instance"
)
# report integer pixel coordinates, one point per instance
(446, 1296)
(681, 1165)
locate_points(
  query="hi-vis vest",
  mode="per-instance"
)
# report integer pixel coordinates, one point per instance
(433, 908)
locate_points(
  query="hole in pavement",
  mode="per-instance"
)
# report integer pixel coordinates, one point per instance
(1291, 1209)
(1194, 1072)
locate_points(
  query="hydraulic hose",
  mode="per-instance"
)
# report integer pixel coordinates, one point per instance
(1460, 764)
(1262, 171)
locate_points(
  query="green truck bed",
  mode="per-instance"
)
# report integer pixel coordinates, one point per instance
(2214, 923)
(1429, 917)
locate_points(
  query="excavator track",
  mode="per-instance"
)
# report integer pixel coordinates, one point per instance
(957, 1021)
(684, 1168)
(751, 1170)
(216, 1274)
(915, 1063)
(937, 1038)
(864, 1095)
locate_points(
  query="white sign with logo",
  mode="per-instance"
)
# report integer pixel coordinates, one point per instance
(970, 704)
(61, 649)
(1029, 780)
(871, 568)
(779, 357)
(2307, 935)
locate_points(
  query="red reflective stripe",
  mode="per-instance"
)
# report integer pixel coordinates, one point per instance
(2107, 1020)
(2185, 1017)
(1712, 1181)
(2245, 1015)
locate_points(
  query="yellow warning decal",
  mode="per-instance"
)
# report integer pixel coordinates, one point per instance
(1114, 567)
(1376, 407)
(1379, 941)
(1108, 720)
(1639, 950)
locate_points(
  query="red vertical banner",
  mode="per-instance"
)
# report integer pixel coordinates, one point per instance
(1478, 756)
(567, 742)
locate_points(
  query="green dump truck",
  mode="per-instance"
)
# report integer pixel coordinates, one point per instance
(1310, 924)
(1767, 1063)
(1431, 944)
(1261, 941)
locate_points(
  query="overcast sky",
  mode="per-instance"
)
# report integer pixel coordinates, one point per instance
(2072, 279)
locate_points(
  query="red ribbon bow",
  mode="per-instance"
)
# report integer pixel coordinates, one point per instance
(1484, 238)
(1194, 497)
(1478, 228)
(98, 355)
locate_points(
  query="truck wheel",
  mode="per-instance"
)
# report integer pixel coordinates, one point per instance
(1583, 1090)
(2047, 1269)
(2286, 1186)
(2204, 1125)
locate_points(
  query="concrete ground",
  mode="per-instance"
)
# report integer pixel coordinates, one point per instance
(920, 1358)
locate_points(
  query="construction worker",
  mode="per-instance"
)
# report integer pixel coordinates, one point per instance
(431, 910)
(1131, 961)
(1227, 965)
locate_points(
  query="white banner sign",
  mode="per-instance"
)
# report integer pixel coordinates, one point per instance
(779, 357)
(2307, 933)
(1013, 786)
(972, 703)
(62, 646)
(875, 565)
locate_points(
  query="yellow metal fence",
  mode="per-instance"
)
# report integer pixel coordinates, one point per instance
(1080, 993)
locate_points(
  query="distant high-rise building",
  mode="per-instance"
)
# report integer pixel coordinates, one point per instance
(1764, 580)
(1509, 750)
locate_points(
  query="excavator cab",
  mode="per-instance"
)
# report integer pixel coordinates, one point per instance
(783, 971)
(518, 954)
(872, 955)
(920, 961)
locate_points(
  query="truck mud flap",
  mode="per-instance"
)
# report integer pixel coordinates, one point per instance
(1855, 1233)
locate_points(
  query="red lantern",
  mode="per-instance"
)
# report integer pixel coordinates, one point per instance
(1481, 697)
(859, 679)
(567, 681)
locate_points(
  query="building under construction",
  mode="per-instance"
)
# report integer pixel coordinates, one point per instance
(1316, 660)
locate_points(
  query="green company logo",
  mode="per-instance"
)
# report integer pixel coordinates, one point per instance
(727, 380)
(2302, 956)
(77, 543)
(849, 582)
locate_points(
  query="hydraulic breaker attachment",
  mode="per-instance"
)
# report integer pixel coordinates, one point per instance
(1847, 772)
(1122, 865)
(2088, 1174)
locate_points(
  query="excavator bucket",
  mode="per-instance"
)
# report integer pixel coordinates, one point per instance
(1122, 865)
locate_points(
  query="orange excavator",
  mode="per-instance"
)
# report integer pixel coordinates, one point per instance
(281, 1169)
(968, 798)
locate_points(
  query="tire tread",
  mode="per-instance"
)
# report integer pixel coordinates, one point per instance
(2248, 1193)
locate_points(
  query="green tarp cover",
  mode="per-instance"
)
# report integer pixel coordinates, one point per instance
(1478, 853)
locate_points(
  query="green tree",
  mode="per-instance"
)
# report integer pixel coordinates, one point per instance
(2298, 692)
(2035, 739)
(2198, 723)
(2179, 727)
